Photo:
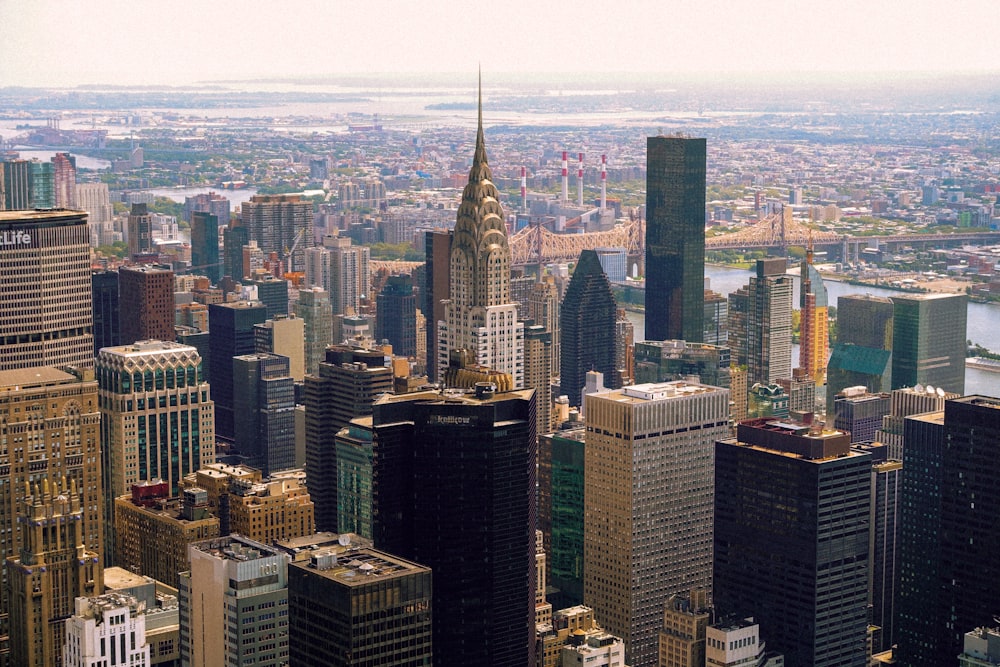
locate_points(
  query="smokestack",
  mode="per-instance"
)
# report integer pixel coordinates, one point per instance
(524, 189)
(565, 177)
(579, 182)
(604, 183)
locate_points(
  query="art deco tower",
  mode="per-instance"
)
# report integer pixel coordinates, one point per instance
(479, 317)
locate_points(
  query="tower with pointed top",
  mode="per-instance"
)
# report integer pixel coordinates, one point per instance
(480, 325)
(53, 568)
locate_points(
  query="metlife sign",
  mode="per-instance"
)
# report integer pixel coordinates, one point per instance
(14, 237)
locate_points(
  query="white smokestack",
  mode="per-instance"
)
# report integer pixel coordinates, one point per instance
(604, 183)
(524, 188)
(579, 182)
(565, 176)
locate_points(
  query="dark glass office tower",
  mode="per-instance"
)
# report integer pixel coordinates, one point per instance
(230, 335)
(454, 489)
(104, 296)
(791, 539)
(675, 238)
(949, 534)
(397, 316)
(928, 341)
(437, 255)
(205, 245)
(234, 238)
(264, 399)
(587, 319)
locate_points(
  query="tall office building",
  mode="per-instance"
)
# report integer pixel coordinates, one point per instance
(109, 628)
(538, 373)
(158, 418)
(791, 538)
(64, 180)
(396, 320)
(648, 494)
(264, 399)
(480, 317)
(139, 231)
(355, 459)
(561, 457)
(587, 329)
(543, 310)
(282, 224)
(862, 354)
(342, 270)
(928, 341)
(234, 238)
(271, 291)
(314, 309)
(949, 571)
(284, 335)
(454, 489)
(814, 328)
(675, 238)
(353, 606)
(95, 199)
(760, 323)
(883, 577)
(231, 333)
(17, 185)
(47, 319)
(60, 412)
(345, 387)
(716, 318)
(860, 413)
(904, 403)
(437, 254)
(146, 303)
(234, 605)
(104, 297)
(43, 185)
(205, 245)
(52, 569)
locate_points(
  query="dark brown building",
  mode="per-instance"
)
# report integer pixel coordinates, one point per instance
(146, 303)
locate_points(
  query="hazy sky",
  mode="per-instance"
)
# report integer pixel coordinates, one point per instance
(66, 42)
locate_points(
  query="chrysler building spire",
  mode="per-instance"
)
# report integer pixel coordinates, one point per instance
(480, 318)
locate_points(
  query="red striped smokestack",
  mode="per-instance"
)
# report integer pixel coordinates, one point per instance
(565, 176)
(604, 183)
(579, 182)
(524, 188)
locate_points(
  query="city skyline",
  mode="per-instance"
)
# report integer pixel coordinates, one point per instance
(767, 36)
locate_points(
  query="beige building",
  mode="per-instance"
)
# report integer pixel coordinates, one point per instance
(682, 638)
(159, 417)
(47, 319)
(53, 568)
(215, 479)
(573, 636)
(648, 503)
(162, 612)
(277, 508)
(50, 428)
(153, 530)
(284, 335)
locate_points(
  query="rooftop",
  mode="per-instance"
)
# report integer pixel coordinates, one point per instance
(354, 565)
(657, 391)
(33, 377)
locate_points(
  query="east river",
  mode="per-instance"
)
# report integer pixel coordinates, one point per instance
(982, 328)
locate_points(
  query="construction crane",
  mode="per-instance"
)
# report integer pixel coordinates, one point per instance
(295, 245)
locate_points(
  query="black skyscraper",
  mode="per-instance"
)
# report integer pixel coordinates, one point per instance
(454, 489)
(205, 245)
(587, 328)
(104, 294)
(230, 335)
(675, 238)
(949, 540)
(791, 539)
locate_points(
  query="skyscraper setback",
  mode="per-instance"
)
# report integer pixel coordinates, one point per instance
(675, 238)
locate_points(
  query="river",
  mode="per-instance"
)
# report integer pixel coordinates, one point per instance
(983, 320)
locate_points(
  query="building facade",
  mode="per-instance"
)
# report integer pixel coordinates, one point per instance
(205, 244)
(648, 503)
(675, 238)
(47, 318)
(760, 323)
(264, 399)
(108, 629)
(231, 333)
(281, 224)
(396, 320)
(146, 303)
(313, 307)
(928, 341)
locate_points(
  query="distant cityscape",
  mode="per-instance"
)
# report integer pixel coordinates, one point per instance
(616, 372)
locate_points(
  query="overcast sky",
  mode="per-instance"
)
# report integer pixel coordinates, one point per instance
(68, 42)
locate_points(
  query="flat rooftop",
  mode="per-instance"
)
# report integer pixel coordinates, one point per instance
(358, 566)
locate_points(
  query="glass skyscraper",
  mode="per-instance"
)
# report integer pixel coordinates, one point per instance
(675, 238)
